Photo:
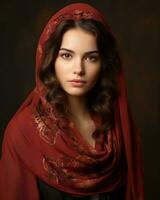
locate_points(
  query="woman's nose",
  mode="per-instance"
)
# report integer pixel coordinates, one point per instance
(79, 67)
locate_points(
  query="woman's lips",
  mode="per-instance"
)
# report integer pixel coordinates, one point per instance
(77, 83)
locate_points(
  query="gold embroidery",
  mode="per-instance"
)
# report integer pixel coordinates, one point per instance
(48, 135)
(76, 14)
(50, 171)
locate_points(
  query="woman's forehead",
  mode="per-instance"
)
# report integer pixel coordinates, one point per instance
(77, 38)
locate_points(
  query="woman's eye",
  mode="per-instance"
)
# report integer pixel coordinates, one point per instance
(66, 56)
(92, 58)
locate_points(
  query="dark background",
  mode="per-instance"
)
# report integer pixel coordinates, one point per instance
(136, 25)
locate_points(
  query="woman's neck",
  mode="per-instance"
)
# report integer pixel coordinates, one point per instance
(78, 106)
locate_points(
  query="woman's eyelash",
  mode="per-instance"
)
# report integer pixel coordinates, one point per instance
(92, 58)
(65, 55)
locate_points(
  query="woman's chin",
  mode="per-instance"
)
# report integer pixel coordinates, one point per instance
(76, 92)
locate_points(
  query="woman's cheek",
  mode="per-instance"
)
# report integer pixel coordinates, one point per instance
(94, 74)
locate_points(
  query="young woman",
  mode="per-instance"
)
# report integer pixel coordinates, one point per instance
(73, 138)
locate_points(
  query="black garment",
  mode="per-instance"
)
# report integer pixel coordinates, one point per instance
(49, 193)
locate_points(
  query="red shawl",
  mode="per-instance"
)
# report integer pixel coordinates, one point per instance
(40, 146)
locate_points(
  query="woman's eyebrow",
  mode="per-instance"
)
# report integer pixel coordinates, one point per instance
(71, 51)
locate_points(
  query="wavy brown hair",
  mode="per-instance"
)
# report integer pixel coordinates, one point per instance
(101, 98)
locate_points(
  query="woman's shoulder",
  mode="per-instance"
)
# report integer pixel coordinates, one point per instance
(21, 141)
(20, 125)
(31, 128)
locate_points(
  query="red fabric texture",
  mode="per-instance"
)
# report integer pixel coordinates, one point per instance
(45, 147)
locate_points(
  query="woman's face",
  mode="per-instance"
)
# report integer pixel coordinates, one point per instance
(78, 63)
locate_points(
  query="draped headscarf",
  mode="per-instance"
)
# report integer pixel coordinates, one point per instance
(39, 146)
